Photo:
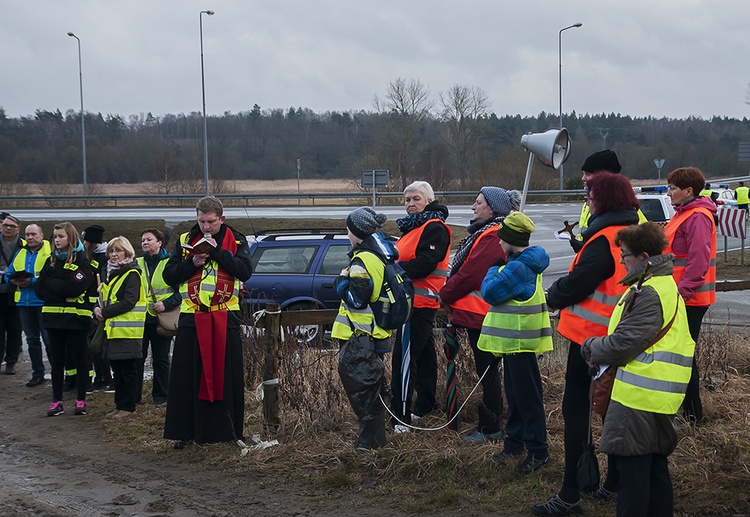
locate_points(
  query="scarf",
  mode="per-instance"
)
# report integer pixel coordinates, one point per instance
(476, 228)
(211, 327)
(408, 223)
(63, 255)
(113, 266)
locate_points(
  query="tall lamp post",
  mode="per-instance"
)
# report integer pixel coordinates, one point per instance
(203, 88)
(83, 125)
(559, 62)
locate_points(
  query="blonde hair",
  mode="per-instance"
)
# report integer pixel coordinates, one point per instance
(72, 234)
(124, 242)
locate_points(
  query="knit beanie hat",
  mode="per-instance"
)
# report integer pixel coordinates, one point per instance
(605, 160)
(516, 229)
(363, 222)
(93, 234)
(498, 200)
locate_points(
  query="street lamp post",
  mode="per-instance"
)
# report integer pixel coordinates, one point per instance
(559, 62)
(83, 125)
(203, 89)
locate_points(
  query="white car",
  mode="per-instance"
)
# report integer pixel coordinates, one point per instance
(655, 204)
(726, 198)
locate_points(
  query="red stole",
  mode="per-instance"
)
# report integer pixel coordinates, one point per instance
(211, 327)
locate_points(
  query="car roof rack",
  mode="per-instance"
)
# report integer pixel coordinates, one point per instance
(301, 231)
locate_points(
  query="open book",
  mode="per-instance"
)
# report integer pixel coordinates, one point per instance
(202, 246)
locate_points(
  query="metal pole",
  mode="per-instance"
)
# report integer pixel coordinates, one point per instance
(203, 90)
(83, 124)
(526, 182)
(373, 189)
(559, 77)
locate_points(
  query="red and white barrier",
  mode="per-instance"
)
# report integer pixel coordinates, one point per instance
(732, 222)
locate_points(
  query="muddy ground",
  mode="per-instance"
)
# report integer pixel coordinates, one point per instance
(66, 466)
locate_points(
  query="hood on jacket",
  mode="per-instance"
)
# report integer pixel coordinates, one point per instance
(437, 207)
(102, 248)
(534, 257)
(661, 265)
(381, 244)
(701, 201)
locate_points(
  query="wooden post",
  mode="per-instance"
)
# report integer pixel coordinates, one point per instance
(272, 325)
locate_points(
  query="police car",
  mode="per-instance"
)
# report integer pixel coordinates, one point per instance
(655, 204)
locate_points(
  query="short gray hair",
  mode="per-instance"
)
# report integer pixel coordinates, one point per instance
(423, 187)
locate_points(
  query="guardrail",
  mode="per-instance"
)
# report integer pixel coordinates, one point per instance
(180, 200)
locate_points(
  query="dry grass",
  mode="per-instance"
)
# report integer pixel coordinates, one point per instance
(429, 472)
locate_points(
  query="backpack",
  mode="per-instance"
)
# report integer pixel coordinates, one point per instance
(394, 306)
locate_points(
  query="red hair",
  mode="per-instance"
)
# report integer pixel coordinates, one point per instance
(612, 192)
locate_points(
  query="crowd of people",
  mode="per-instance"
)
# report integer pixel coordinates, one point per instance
(632, 301)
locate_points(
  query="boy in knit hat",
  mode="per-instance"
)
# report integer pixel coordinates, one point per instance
(363, 343)
(517, 327)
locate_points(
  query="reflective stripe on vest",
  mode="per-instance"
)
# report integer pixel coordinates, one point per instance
(207, 288)
(473, 302)
(425, 289)
(161, 289)
(26, 260)
(656, 379)
(590, 317)
(518, 326)
(362, 320)
(706, 294)
(130, 324)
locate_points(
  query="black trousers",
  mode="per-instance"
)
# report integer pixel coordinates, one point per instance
(423, 370)
(526, 425)
(692, 405)
(126, 382)
(10, 332)
(645, 487)
(160, 346)
(64, 341)
(491, 409)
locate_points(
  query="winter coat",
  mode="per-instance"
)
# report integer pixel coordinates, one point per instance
(127, 296)
(594, 266)
(432, 246)
(60, 285)
(170, 303)
(517, 280)
(627, 431)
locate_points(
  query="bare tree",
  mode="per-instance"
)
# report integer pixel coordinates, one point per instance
(462, 108)
(405, 107)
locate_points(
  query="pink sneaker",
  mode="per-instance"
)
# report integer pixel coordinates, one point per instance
(80, 407)
(56, 408)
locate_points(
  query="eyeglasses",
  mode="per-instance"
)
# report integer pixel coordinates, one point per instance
(10, 225)
(117, 250)
(626, 255)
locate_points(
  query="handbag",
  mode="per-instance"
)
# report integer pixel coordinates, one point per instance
(97, 339)
(166, 322)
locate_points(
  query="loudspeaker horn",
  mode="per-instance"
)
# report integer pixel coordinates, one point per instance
(551, 147)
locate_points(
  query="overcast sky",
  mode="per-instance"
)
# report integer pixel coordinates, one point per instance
(673, 58)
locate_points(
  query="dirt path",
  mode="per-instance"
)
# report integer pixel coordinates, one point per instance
(64, 466)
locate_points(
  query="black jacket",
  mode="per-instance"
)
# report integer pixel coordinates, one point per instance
(433, 244)
(58, 284)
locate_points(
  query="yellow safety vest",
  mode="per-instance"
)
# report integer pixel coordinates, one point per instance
(362, 321)
(207, 288)
(518, 326)
(657, 378)
(40, 257)
(743, 197)
(161, 289)
(130, 324)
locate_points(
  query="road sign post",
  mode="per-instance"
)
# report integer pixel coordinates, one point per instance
(375, 179)
(659, 162)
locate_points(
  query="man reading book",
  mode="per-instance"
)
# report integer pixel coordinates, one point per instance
(206, 385)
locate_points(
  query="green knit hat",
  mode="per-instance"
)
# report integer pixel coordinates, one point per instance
(516, 229)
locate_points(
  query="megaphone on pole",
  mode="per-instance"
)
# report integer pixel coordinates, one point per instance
(552, 148)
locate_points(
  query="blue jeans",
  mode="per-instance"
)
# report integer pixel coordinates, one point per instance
(31, 322)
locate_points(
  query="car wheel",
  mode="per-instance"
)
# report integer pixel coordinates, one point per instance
(305, 334)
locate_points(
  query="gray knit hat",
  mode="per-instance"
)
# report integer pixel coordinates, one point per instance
(364, 221)
(501, 201)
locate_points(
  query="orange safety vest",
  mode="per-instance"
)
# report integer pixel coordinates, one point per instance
(473, 302)
(706, 294)
(590, 317)
(425, 289)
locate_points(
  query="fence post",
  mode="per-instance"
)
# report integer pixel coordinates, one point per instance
(271, 367)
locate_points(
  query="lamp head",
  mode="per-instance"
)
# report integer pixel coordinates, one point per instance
(579, 24)
(210, 13)
(71, 35)
(552, 147)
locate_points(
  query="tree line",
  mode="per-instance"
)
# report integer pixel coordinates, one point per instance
(451, 139)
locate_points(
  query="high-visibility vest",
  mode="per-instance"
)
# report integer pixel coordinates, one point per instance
(362, 321)
(706, 294)
(130, 324)
(583, 220)
(161, 289)
(590, 317)
(426, 289)
(706, 192)
(33, 262)
(473, 302)
(78, 306)
(743, 195)
(207, 288)
(518, 326)
(657, 378)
